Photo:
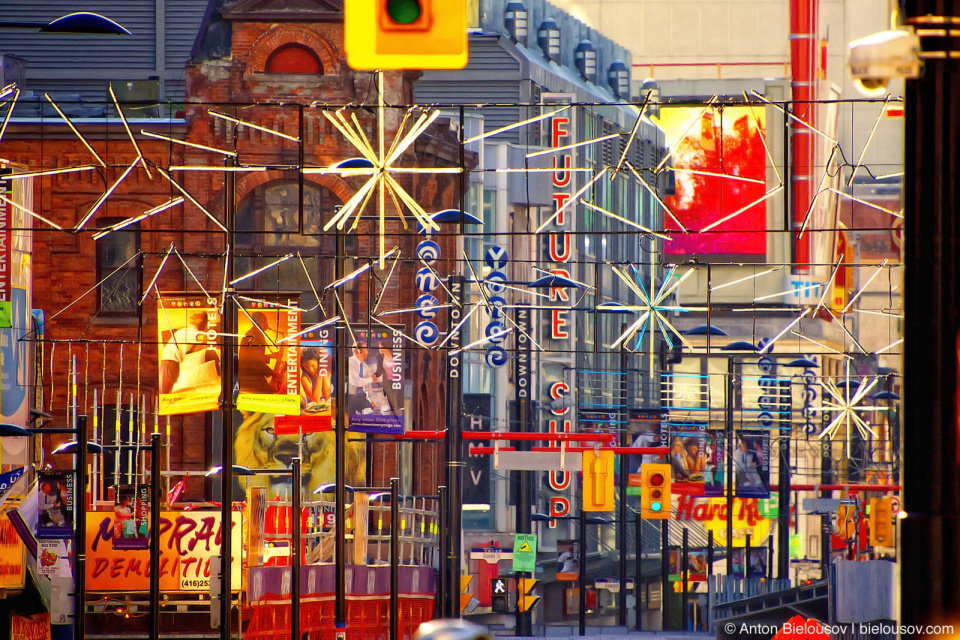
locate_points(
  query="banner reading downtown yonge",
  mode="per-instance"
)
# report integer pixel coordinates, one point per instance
(269, 358)
(375, 382)
(187, 327)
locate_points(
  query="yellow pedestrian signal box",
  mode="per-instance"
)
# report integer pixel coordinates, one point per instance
(405, 34)
(598, 486)
(881, 522)
(655, 491)
(525, 598)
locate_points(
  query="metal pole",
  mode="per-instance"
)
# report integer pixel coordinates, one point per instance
(622, 507)
(684, 576)
(454, 444)
(582, 576)
(664, 570)
(295, 560)
(826, 477)
(156, 496)
(395, 559)
(340, 505)
(523, 380)
(80, 513)
(638, 588)
(227, 406)
(783, 498)
(709, 571)
(746, 558)
(930, 533)
(443, 540)
(731, 390)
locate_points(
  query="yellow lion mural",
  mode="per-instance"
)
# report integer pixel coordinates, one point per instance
(257, 446)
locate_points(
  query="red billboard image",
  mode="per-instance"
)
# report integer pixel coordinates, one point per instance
(719, 168)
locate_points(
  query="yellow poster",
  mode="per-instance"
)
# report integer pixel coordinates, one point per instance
(269, 360)
(189, 355)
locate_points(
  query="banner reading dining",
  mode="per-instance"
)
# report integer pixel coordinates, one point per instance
(189, 355)
(269, 360)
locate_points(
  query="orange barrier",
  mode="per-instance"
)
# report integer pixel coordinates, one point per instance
(368, 617)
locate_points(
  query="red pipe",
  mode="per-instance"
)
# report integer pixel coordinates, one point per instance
(420, 435)
(658, 451)
(549, 437)
(804, 55)
(841, 487)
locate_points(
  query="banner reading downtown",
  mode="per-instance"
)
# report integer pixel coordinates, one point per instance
(189, 356)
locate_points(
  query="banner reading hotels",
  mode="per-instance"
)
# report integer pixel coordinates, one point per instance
(189, 355)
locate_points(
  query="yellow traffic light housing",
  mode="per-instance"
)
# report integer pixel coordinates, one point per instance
(598, 486)
(655, 491)
(881, 522)
(525, 598)
(405, 34)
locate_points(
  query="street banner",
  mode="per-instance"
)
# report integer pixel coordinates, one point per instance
(55, 504)
(269, 360)
(688, 459)
(7, 480)
(751, 465)
(375, 382)
(187, 542)
(316, 387)
(131, 514)
(189, 358)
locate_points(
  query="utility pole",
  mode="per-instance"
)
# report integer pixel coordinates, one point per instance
(453, 442)
(523, 380)
(227, 406)
(930, 534)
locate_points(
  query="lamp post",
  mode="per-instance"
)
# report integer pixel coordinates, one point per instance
(81, 22)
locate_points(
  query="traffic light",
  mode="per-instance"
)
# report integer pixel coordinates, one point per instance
(525, 598)
(405, 34)
(498, 594)
(598, 490)
(881, 522)
(655, 491)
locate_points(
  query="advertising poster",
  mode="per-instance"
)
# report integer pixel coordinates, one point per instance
(189, 357)
(131, 514)
(53, 559)
(269, 360)
(696, 563)
(11, 556)
(688, 459)
(568, 564)
(55, 504)
(187, 542)
(375, 382)
(316, 387)
(751, 466)
(719, 170)
(35, 627)
(716, 467)
(758, 562)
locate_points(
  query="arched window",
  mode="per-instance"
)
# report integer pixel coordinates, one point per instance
(294, 59)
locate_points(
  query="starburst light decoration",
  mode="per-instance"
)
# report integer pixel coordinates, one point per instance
(653, 308)
(848, 406)
(380, 165)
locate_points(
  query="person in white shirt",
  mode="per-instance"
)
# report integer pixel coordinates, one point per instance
(361, 379)
(189, 339)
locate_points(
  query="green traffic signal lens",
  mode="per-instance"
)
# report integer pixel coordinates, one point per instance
(403, 11)
(655, 506)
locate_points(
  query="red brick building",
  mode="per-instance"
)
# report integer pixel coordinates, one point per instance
(274, 64)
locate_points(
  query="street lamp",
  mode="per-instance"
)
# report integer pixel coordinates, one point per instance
(81, 22)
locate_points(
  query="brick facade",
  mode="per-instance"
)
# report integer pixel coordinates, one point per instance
(114, 354)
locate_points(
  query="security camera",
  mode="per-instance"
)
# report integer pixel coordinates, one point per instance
(880, 57)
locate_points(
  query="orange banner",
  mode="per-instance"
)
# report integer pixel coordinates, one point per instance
(187, 542)
(11, 556)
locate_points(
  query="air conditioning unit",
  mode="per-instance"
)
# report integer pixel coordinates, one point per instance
(138, 98)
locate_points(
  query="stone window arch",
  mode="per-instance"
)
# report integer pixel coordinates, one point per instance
(294, 58)
(298, 37)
